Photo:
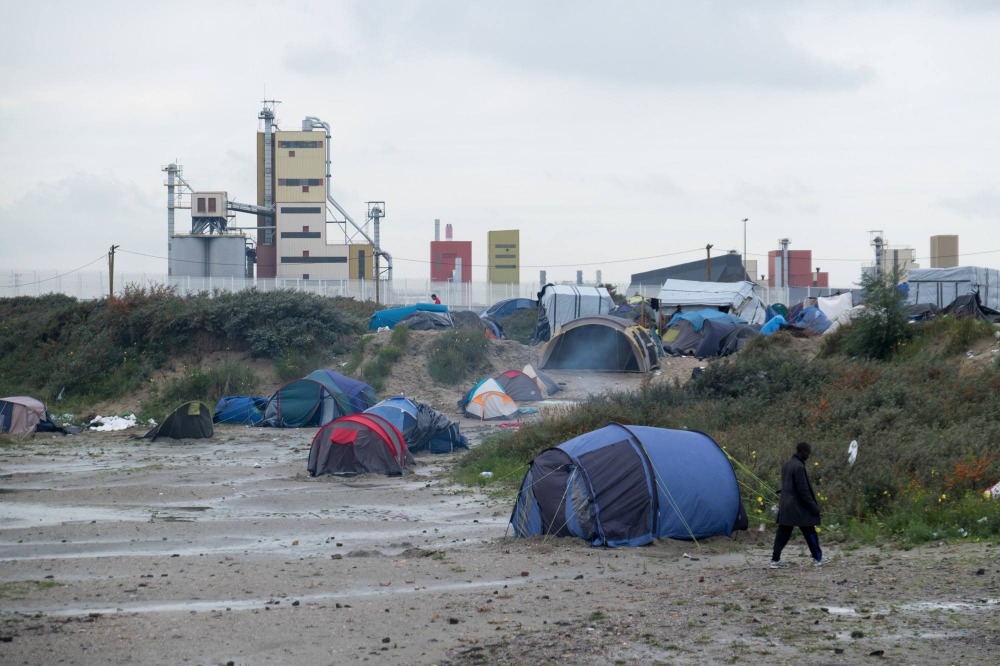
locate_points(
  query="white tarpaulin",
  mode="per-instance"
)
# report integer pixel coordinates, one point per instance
(739, 298)
(834, 306)
(941, 286)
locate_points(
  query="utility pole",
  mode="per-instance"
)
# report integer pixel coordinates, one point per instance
(708, 264)
(745, 220)
(111, 272)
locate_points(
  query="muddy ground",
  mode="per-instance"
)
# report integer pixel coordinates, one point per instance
(114, 550)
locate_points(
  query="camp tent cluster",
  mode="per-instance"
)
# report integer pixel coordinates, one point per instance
(498, 397)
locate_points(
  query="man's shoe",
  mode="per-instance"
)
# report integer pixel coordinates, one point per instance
(777, 564)
(820, 562)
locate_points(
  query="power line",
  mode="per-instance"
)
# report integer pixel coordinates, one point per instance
(54, 277)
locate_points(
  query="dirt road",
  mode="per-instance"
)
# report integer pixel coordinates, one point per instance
(117, 551)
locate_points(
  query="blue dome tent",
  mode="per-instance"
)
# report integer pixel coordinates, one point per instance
(627, 485)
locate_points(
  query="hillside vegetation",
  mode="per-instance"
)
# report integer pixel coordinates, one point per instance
(79, 353)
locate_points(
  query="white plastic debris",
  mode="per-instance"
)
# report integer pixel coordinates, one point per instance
(113, 422)
(486, 475)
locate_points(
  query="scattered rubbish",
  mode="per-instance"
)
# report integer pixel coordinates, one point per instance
(852, 452)
(970, 353)
(486, 475)
(108, 423)
(257, 465)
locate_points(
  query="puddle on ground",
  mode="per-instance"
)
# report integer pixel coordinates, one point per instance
(919, 607)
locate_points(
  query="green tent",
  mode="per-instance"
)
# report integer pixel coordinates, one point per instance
(192, 420)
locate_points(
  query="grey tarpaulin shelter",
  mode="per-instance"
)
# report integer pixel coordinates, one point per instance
(941, 286)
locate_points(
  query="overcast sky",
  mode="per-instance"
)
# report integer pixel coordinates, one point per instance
(619, 137)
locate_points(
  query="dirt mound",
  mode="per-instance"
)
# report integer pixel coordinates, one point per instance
(409, 375)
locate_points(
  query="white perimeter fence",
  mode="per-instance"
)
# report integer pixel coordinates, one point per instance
(400, 291)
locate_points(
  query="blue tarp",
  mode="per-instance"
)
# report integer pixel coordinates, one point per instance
(772, 325)
(812, 320)
(393, 316)
(627, 485)
(698, 317)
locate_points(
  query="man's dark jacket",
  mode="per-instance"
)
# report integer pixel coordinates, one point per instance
(798, 506)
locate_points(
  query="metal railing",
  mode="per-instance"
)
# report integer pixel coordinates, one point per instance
(93, 285)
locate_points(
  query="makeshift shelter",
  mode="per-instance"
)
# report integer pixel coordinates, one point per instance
(519, 386)
(423, 427)
(469, 319)
(491, 405)
(392, 316)
(737, 339)
(735, 298)
(627, 485)
(358, 444)
(546, 385)
(941, 286)
(318, 398)
(422, 320)
(835, 306)
(713, 333)
(21, 414)
(970, 306)
(811, 320)
(560, 304)
(601, 342)
(192, 420)
(507, 307)
(685, 334)
(239, 409)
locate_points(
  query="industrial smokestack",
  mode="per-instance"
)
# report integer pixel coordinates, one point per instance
(437, 229)
(599, 280)
(579, 278)
(447, 232)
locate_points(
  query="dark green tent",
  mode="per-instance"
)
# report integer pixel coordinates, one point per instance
(192, 420)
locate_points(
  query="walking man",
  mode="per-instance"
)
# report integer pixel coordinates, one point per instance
(797, 507)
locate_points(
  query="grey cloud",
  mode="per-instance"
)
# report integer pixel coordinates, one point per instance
(981, 204)
(658, 44)
(68, 223)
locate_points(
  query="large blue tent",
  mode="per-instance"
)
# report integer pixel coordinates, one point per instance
(627, 485)
(239, 409)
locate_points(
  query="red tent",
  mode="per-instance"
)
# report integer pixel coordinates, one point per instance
(358, 444)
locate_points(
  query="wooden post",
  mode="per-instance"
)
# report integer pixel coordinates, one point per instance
(111, 272)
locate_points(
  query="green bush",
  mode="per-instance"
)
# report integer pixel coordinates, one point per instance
(458, 355)
(882, 326)
(520, 325)
(98, 350)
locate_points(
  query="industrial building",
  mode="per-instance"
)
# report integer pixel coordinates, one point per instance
(295, 237)
(504, 256)
(944, 251)
(451, 260)
(793, 268)
(723, 268)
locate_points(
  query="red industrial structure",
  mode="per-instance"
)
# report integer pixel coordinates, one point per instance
(449, 257)
(800, 271)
